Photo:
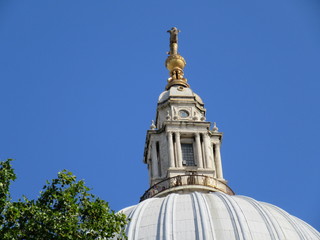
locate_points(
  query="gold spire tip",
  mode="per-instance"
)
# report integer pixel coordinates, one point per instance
(175, 63)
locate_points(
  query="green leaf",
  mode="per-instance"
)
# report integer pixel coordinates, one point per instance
(64, 210)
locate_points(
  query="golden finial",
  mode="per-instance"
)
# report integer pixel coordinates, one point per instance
(175, 63)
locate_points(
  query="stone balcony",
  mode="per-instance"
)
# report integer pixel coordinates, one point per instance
(187, 183)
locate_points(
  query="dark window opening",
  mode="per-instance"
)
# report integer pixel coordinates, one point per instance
(187, 154)
(158, 157)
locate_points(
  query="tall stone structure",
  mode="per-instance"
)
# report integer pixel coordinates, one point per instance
(188, 196)
(181, 147)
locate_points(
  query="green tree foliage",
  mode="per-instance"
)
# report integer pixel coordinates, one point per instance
(64, 210)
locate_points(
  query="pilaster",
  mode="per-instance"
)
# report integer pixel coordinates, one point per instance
(218, 160)
(199, 150)
(171, 151)
(154, 159)
(178, 148)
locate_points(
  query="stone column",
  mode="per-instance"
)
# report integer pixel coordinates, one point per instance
(218, 160)
(199, 151)
(179, 152)
(207, 152)
(203, 155)
(154, 159)
(149, 171)
(171, 153)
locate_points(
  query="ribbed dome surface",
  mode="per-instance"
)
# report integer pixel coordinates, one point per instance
(213, 216)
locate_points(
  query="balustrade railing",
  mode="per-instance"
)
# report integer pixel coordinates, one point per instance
(184, 180)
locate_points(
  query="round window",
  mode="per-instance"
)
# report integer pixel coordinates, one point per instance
(183, 113)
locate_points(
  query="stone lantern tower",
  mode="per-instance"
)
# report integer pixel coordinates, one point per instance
(182, 150)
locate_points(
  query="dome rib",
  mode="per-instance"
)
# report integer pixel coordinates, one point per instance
(199, 219)
(166, 221)
(307, 228)
(168, 217)
(208, 231)
(135, 219)
(291, 222)
(237, 217)
(266, 217)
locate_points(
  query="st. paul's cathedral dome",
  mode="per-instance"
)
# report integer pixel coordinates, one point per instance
(188, 196)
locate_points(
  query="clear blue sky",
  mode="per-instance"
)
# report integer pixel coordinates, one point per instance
(80, 80)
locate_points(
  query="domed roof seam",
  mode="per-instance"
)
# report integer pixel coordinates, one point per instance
(135, 216)
(289, 218)
(169, 217)
(201, 225)
(205, 215)
(269, 206)
(160, 230)
(173, 215)
(196, 217)
(307, 226)
(265, 216)
(210, 216)
(275, 221)
(233, 217)
(237, 214)
(165, 230)
(240, 213)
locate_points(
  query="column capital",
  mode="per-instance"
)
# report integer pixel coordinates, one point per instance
(205, 134)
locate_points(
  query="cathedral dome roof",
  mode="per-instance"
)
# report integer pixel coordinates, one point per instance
(213, 216)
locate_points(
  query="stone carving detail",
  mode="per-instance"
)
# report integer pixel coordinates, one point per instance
(175, 117)
(176, 181)
(152, 126)
(215, 128)
(195, 116)
(168, 117)
(208, 182)
(173, 40)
